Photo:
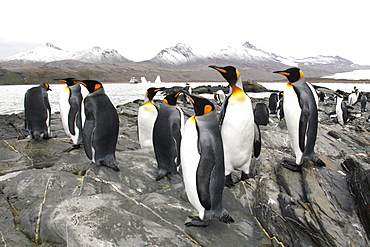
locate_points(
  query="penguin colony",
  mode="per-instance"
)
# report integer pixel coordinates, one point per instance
(208, 147)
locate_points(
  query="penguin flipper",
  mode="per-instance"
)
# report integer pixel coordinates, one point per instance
(88, 131)
(303, 123)
(257, 141)
(72, 114)
(223, 111)
(203, 178)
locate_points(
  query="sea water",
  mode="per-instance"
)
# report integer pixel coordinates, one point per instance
(12, 96)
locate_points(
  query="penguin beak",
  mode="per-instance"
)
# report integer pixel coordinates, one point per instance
(62, 80)
(217, 68)
(188, 96)
(281, 72)
(81, 83)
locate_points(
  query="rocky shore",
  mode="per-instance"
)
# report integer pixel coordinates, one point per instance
(49, 197)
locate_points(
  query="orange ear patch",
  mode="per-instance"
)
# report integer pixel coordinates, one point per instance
(207, 109)
(97, 86)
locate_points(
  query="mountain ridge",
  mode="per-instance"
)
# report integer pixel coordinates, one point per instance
(176, 63)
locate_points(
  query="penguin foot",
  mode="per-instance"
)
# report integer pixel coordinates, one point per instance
(109, 164)
(196, 221)
(244, 178)
(74, 146)
(229, 181)
(290, 165)
(162, 174)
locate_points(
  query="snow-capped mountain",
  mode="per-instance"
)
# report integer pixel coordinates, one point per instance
(45, 53)
(50, 53)
(175, 55)
(98, 55)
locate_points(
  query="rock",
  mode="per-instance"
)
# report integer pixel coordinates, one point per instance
(54, 198)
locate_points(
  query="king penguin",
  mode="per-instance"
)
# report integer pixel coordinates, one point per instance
(300, 110)
(70, 105)
(167, 134)
(147, 115)
(273, 100)
(202, 163)
(238, 129)
(37, 111)
(101, 125)
(341, 110)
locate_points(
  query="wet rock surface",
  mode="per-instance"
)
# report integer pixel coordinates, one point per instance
(54, 198)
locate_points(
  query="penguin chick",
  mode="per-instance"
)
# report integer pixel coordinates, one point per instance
(202, 162)
(100, 130)
(300, 110)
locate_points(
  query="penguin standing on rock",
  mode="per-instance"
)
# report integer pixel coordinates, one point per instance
(273, 100)
(300, 110)
(341, 110)
(202, 162)
(100, 130)
(70, 104)
(238, 130)
(167, 133)
(37, 111)
(147, 115)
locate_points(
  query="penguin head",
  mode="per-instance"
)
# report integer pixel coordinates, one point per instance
(230, 73)
(69, 81)
(202, 106)
(151, 92)
(293, 74)
(46, 86)
(91, 85)
(171, 99)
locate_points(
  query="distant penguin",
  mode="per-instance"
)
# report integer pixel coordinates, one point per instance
(70, 105)
(363, 101)
(341, 110)
(280, 108)
(273, 100)
(321, 96)
(147, 115)
(37, 111)
(202, 163)
(101, 126)
(189, 90)
(237, 126)
(261, 114)
(219, 97)
(167, 133)
(352, 99)
(300, 109)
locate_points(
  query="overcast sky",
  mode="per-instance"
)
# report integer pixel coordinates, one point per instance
(139, 29)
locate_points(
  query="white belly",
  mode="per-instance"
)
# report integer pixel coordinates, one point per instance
(189, 162)
(64, 109)
(237, 133)
(146, 117)
(292, 113)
